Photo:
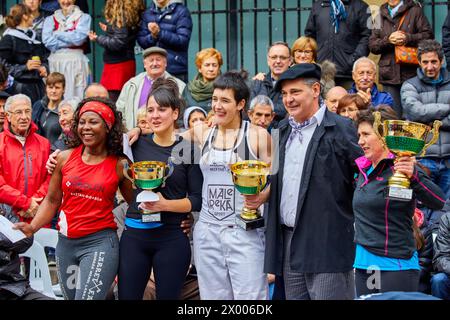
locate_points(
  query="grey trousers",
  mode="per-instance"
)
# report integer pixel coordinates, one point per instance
(315, 286)
(88, 265)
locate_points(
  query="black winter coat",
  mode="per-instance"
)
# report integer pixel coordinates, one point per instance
(351, 41)
(323, 234)
(265, 87)
(14, 53)
(446, 39)
(118, 44)
(10, 277)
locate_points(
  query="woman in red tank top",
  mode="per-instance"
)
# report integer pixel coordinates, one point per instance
(83, 187)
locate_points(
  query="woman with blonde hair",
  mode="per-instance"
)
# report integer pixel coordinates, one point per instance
(122, 22)
(199, 90)
(304, 50)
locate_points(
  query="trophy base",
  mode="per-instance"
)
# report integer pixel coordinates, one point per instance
(398, 193)
(151, 217)
(249, 224)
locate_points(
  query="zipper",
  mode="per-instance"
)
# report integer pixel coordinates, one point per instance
(30, 158)
(25, 169)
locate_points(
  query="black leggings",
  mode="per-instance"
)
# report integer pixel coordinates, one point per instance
(374, 281)
(165, 249)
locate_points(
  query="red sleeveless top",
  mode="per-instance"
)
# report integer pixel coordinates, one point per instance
(88, 195)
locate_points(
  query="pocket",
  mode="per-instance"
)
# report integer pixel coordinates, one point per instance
(385, 69)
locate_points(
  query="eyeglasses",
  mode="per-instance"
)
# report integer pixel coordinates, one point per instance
(282, 58)
(307, 52)
(27, 112)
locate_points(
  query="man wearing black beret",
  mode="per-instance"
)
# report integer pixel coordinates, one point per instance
(309, 235)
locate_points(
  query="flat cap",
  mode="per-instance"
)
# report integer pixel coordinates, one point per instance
(151, 50)
(301, 70)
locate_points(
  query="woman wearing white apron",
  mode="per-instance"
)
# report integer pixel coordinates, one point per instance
(65, 34)
(229, 260)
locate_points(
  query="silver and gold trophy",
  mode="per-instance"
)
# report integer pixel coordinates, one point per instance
(250, 178)
(404, 138)
(149, 175)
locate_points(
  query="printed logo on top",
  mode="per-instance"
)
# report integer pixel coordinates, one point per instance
(221, 200)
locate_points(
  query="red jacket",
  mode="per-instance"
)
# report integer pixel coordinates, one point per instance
(22, 168)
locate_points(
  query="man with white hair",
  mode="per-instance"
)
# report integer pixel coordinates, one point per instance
(135, 92)
(261, 111)
(364, 74)
(23, 154)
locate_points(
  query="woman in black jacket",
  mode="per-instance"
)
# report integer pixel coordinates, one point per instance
(386, 250)
(122, 20)
(23, 54)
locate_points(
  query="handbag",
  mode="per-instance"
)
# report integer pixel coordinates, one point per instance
(404, 54)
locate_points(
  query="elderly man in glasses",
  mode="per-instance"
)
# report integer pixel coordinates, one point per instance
(278, 59)
(23, 153)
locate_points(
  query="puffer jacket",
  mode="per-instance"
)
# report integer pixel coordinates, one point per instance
(424, 102)
(416, 27)
(351, 41)
(118, 44)
(441, 259)
(10, 277)
(175, 25)
(22, 168)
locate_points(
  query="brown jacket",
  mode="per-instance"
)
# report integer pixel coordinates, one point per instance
(417, 28)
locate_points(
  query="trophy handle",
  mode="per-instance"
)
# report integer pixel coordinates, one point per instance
(435, 131)
(126, 167)
(171, 167)
(377, 124)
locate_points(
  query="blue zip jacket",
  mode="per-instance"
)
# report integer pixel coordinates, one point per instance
(378, 97)
(175, 25)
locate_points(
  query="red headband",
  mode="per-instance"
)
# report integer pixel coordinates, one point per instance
(102, 110)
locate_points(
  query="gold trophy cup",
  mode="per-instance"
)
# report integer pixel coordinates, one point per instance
(250, 178)
(404, 138)
(148, 175)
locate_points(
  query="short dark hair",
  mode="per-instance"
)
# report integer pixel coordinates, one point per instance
(166, 94)
(430, 45)
(279, 43)
(234, 81)
(386, 112)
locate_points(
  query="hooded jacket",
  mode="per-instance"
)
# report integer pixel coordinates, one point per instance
(424, 102)
(22, 168)
(175, 25)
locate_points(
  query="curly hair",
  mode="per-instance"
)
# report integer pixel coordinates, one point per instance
(124, 13)
(115, 135)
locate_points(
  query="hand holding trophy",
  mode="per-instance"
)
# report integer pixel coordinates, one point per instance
(149, 175)
(404, 138)
(250, 178)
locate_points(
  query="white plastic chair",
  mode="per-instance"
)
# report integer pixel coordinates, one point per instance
(39, 273)
(49, 238)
